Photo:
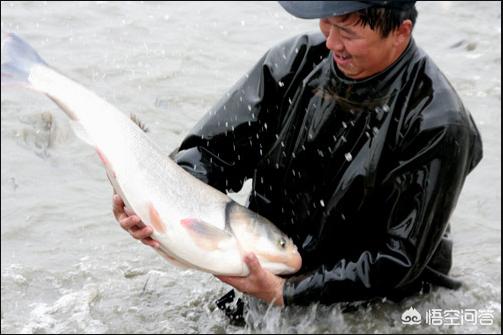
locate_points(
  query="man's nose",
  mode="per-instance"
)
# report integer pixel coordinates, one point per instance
(334, 40)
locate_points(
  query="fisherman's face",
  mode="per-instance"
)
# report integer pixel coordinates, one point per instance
(359, 51)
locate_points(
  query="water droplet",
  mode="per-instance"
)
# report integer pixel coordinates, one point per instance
(265, 126)
(320, 153)
(375, 130)
(249, 107)
(348, 157)
(343, 138)
(281, 84)
(322, 203)
(344, 125)
(385, 108)
(296, 50)
(282, 144)
(277, 166)
(289, 101)
(226, 124)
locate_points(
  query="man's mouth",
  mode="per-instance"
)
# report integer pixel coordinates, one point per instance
(342, 60)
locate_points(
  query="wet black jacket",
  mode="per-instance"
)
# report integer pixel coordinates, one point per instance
(362, 174)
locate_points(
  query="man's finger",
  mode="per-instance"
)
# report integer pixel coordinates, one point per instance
(142, 233)
(252, 262)
(130, 221)
(118, 201)
(128, 211)
(118, 206)
(151, 242)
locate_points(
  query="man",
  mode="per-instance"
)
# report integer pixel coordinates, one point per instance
(358, 147)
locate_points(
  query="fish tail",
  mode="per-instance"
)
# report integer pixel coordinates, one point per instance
(20, 58)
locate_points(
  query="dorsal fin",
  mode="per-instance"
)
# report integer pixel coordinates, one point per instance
(140, 124)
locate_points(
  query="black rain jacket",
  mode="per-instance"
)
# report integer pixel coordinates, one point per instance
(361, 174)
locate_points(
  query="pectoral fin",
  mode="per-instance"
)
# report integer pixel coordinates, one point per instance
(172, 260)
(155, 219)
(205, 235)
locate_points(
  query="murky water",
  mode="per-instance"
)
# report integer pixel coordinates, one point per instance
(67, 267)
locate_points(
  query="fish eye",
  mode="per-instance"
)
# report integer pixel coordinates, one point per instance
(282, 243)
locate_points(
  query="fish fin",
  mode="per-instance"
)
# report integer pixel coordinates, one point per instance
(138, 122)
(172, 260)
(20, 57)
(204, 234)
(81, 132)
(155, 219)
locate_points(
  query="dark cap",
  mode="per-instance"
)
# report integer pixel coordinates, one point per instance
(322, 9)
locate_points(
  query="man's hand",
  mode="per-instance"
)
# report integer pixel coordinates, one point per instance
(132, 223)
(260, 283)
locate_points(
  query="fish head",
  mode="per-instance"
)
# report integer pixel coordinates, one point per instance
(274, 249)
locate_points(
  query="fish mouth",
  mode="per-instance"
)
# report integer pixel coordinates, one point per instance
(287, 265)
(295, 262)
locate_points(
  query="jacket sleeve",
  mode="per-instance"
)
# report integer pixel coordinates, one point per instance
(411, 208)
(225, 146)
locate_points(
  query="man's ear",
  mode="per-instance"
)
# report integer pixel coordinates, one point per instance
(403, 33)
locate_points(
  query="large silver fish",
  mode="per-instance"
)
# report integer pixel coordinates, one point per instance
(196, 225)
